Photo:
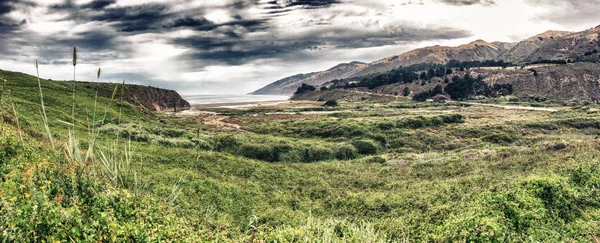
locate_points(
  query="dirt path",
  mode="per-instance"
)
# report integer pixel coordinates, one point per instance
(511, 107)
(218, 122)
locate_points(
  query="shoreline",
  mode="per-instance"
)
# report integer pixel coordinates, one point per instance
(239, 104)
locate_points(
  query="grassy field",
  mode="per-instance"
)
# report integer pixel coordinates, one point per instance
(365, 171)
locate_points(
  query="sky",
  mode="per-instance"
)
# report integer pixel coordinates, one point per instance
(238, 46)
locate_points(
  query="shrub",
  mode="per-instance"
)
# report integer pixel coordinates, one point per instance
(454, 118)
(315, 153)
(225, 142)
(346, 152)
(406, 91)
(365, 147)
(293, 155)
(175, 142)
(331, 103)
(305, 88)
(422, 96)
(376, 160)
(499, 138)
(257, 151)
(9, 147)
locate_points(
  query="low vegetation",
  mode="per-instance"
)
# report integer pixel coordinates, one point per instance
(357, 172)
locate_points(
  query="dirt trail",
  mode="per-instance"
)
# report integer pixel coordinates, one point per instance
(512, 107)
(218, 122)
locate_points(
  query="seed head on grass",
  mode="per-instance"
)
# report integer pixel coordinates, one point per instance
(74, 56)
(73, 109)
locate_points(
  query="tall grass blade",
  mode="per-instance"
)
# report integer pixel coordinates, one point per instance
(43, 110)
(73, 108)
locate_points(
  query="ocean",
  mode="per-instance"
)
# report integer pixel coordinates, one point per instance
(231, 98)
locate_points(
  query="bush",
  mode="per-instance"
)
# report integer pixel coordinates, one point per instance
(499, 138)
(175, 142)
(346, 152)
(293, 155)
(331, 103)
(225, 142)
(376, 160)
(305, 88)
(365, 147)
(422, 96)
(257, 151)
(9, 148)
(314, 154)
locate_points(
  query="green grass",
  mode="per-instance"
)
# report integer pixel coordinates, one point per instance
(402, 171)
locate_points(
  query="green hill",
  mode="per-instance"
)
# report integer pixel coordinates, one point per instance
(388, 170)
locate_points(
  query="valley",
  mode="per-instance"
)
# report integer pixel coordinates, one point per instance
(380, 169)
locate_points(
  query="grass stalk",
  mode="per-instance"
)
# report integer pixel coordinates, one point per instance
(73, 108)
(12, 104)
(43, 110)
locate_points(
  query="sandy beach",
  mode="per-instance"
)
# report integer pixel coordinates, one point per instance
(237, 105)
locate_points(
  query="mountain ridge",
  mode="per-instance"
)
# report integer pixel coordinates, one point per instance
(549, 45)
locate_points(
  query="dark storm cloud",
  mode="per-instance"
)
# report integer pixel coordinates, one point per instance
(203, 24)
(99, 4)
(467, 2)
(280, 4)
(134, 18)
(211, 50)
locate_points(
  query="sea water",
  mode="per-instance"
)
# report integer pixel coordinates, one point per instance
(231, 98)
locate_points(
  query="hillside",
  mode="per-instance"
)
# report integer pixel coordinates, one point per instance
(143, 97)
(288, 86)
(550, 45)
(373, 169)
(572, 82)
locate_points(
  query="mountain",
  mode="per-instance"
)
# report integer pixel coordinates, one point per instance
(573, 82)
(550, 45)
(555, 45)
(288, 86)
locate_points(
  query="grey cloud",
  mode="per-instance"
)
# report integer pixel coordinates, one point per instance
(467, 2)
(210, 50)
(575, 11)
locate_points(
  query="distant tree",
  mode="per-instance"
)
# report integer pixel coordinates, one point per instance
(423, 82)
(437, 90)
(422, 96)
(323, 88)
(446, 80)
(406, 91)
(396, 93)
(535, 73)
(449, 71)
(431, 73)
(423, 76)
(305, 88)
(462, 69)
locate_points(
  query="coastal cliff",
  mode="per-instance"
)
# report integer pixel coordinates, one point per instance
(145, 97)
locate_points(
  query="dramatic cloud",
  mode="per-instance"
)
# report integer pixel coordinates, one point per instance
(570, 12)
(204, 46)
(467, 2)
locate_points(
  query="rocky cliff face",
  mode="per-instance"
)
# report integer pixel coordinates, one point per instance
(550, 45)
(144, 97)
